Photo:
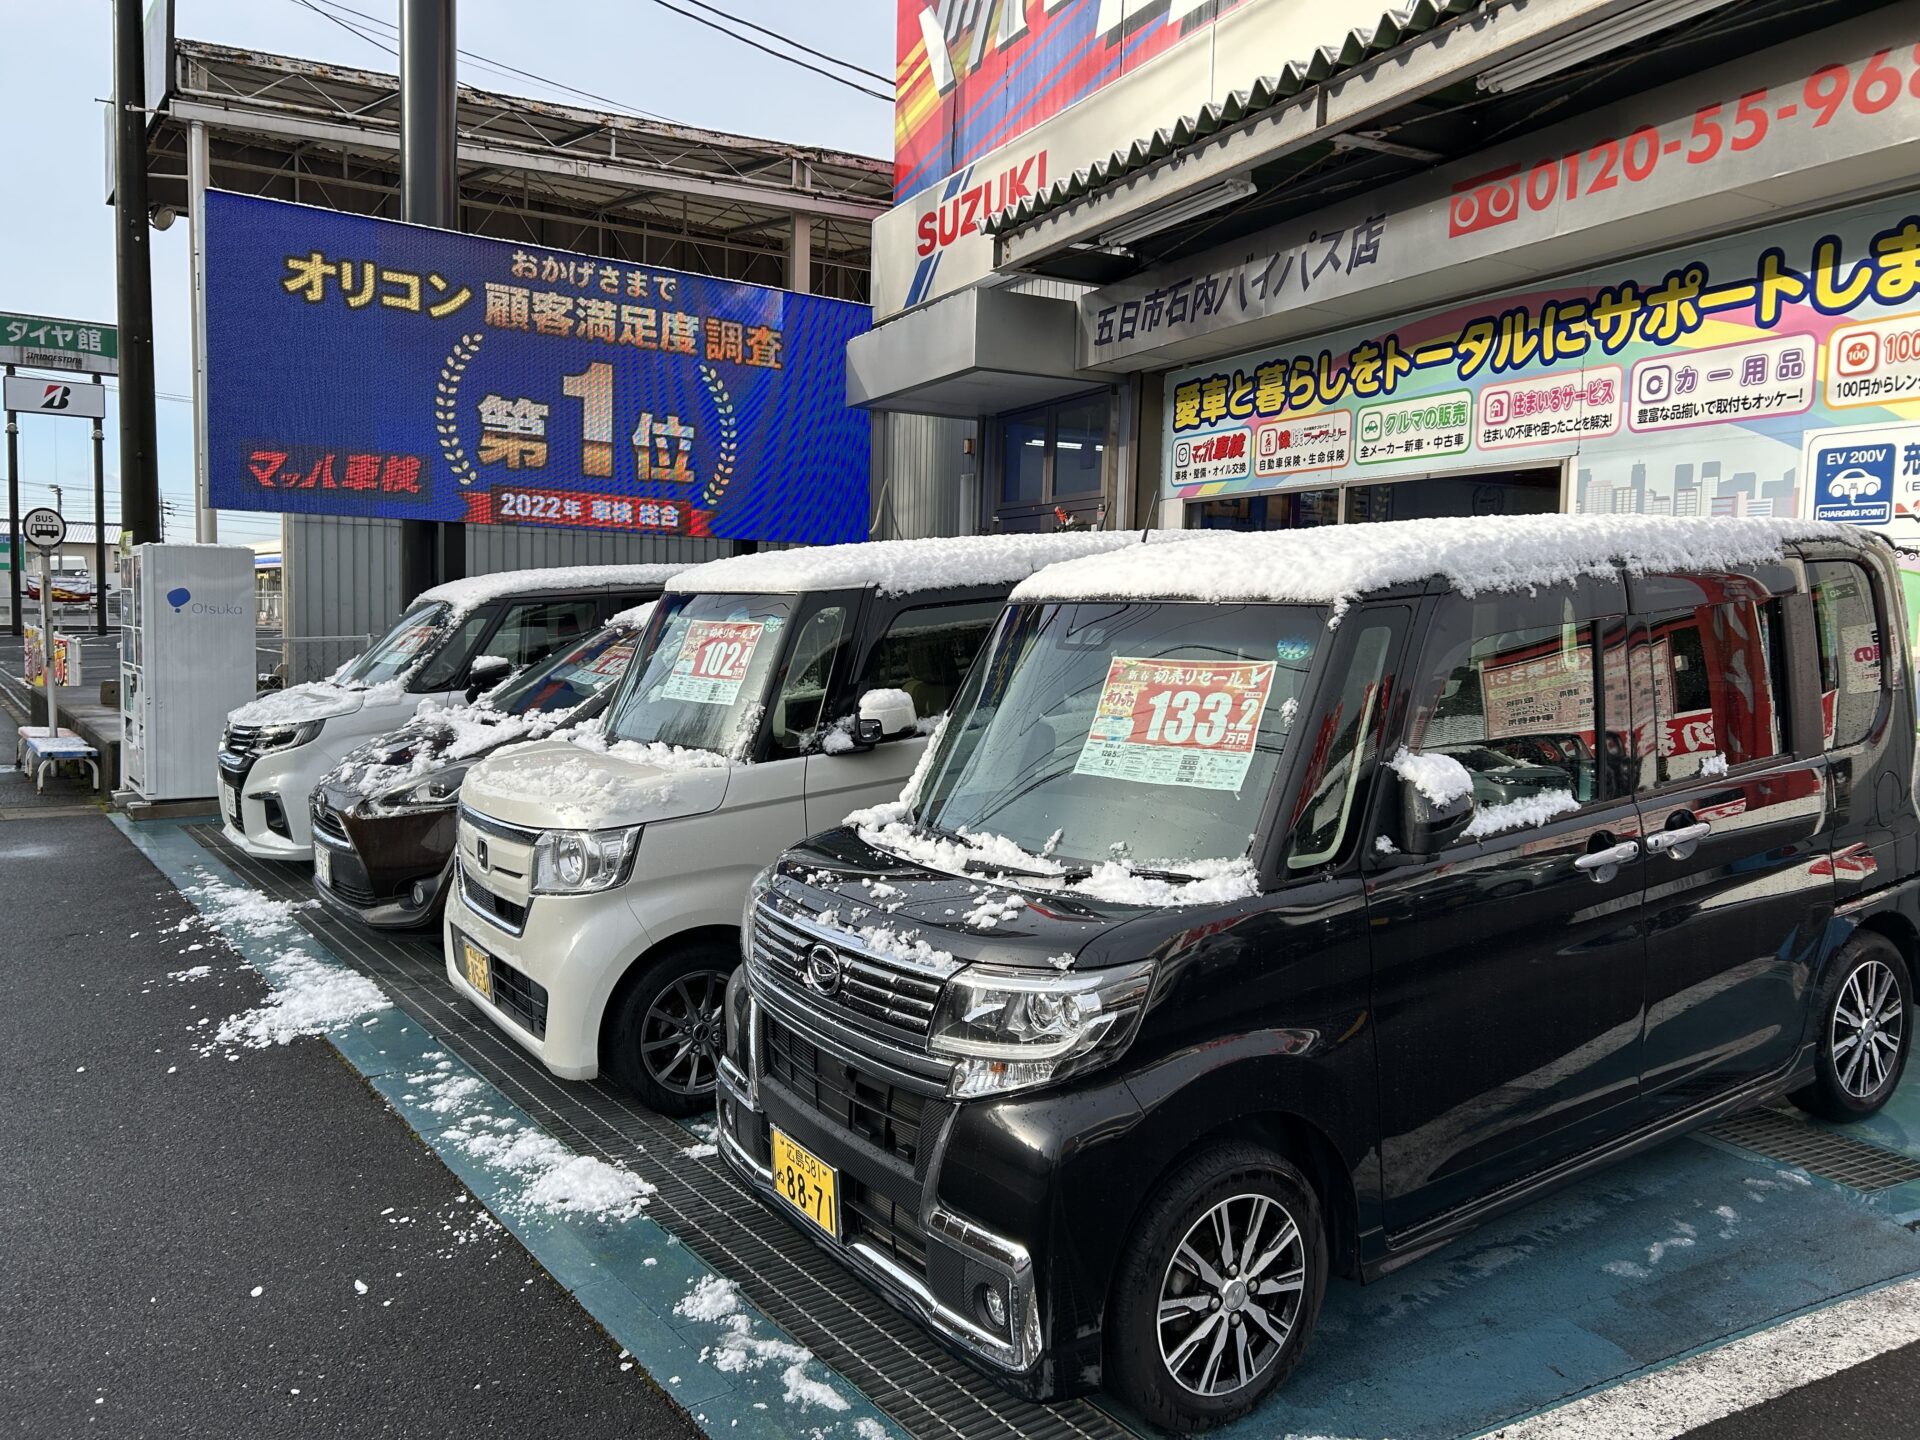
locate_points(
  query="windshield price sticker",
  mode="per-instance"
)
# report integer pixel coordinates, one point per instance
(1162, 723)
(411, 641)
(713, 660)
(613, 660)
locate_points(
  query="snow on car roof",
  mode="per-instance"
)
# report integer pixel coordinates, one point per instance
(1333, 565)
(896, 567)
(634, 619)
(477, 590)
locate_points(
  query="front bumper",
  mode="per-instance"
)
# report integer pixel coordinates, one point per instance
(263, 799)
(377, 863)
(961, 1257)
(567, 954)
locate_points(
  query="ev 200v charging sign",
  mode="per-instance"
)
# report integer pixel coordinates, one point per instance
(1865, 475)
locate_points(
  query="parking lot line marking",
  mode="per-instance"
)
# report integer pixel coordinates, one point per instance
(1737, 1376)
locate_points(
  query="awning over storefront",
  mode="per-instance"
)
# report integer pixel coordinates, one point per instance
(978, 352)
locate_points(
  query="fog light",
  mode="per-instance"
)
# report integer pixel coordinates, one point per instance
(421, 894)
(993, 1305)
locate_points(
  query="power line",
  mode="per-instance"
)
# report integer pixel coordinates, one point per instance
(769, 50)
(796, 44)
(499, 67)
(346, 26)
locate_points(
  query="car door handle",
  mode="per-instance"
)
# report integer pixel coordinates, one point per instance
(1602, 863)
(1678, 843)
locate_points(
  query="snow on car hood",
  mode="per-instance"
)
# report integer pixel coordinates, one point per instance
(558, 785)
(315, 700)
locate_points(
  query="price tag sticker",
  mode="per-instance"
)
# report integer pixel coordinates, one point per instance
(713, 660)
(1163, 722)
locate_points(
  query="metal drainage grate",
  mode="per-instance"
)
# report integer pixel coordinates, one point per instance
(1782, 1135)
(929, 1393)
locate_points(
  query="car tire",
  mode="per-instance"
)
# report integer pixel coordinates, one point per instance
(666, 1028)
(1177, 1374)
(1865, 1031)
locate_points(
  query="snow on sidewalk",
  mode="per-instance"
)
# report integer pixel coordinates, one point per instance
(738, 1349)
(308, 996)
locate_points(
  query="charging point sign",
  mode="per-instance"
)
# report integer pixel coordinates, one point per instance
(1853, 482)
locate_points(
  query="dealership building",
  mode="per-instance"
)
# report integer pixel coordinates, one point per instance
(1265, 264)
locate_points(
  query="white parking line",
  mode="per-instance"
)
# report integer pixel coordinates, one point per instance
(1737, 1376)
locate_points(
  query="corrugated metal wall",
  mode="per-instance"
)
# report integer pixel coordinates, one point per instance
(342, 575)
(924, 483)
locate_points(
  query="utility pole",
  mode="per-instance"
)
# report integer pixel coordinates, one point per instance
(139, 463)
(14, 549)
(99, 525)
(430, 552)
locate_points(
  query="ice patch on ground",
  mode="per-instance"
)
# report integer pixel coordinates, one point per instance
(715, 1301)
(197, 972)
(555, 1181)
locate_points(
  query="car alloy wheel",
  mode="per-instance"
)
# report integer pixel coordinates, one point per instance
(1230, 1295)
(684, 1032)
(1867, 1029)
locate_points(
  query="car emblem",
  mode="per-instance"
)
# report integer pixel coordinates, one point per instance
(825, 970)
(480, 855)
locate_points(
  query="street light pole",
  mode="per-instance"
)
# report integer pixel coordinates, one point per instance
(139, 466)
(99, 525)
(430, 552)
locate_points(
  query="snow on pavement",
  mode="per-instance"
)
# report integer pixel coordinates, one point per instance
(738, 1349)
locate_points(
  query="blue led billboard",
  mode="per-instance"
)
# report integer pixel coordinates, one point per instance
(366, 367)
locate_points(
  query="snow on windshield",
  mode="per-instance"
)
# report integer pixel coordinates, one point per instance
(1334, 565)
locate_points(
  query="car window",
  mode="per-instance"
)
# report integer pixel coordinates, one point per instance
(1516, 708)
(449, 662)
(533, 630)
(1713, 673)
(803, 691)
(1849, 633)
(926, 651)
(1344, 748)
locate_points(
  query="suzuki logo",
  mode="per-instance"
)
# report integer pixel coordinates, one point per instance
(825, 970)
(480, 855)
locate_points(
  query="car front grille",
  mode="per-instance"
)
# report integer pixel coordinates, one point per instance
(856, 1100)
(871, 989)
(243, 739)
(505, 913)
(892, 1229)
(360, 896)
(326, 822)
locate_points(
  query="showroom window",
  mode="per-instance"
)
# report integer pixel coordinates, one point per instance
(1052, 456)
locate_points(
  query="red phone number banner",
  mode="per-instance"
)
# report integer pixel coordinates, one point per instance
(1162, 723)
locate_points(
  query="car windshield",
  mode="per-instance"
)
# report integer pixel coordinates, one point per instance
(1141, 732)
(704, 685)
(413, 635)
(570, 678)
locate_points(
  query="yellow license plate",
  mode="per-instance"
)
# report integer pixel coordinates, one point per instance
(807, 1183)
(479, 969)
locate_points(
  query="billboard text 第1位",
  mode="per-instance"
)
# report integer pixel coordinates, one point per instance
(366, 367)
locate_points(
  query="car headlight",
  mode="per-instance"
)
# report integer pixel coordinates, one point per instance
(436, 792)
(1015, 1029)
(288, 737)
(581, 862)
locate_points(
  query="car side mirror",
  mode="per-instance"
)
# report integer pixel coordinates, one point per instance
(1429, 826)
(883, 715)
(485, 673)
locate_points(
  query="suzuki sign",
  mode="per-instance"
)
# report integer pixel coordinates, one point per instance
(998, 98)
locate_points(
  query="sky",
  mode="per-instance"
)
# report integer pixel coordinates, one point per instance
(56, 232)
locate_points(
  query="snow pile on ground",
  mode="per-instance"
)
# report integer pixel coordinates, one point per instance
(238, 910)
(310, 997)
(1523, 814)
(477, 590)
(1335, 565)
(717, 1302)
(897, 567)
(554, 1180)
(1437, 776)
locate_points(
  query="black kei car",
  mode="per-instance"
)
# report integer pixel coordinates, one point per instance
(1282, 906)
(384, 819)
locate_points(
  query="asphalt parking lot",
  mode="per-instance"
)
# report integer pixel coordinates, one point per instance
(164, 1177)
